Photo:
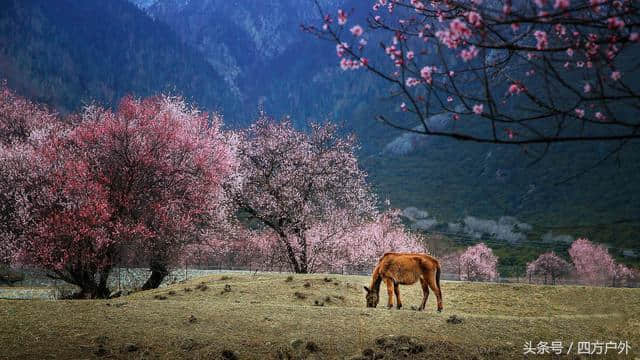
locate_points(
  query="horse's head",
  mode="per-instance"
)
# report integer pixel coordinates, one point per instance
(372, 297)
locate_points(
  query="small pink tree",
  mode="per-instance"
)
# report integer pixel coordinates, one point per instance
(595, 266)
(548, 265)
(478, 263)
(593, 263)
(623, 276)
(451, 263)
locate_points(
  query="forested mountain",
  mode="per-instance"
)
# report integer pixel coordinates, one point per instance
(237, 55)
(68, 52)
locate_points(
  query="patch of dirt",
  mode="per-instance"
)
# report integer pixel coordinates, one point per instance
(299, 350)
(407, 347)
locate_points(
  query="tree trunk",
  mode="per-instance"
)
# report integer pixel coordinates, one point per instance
(159, 271)
(89, 288)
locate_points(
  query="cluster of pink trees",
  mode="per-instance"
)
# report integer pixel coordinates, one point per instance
(592, 264)
(142, 181)
(532, 71)
(156, 182)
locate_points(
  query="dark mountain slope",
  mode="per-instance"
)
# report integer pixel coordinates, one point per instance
(68, 52)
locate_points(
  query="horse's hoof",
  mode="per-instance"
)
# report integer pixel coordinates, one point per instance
(399, 307)
(389, 307)
(439, 310)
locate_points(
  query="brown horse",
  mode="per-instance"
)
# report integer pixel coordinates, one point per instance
(405, 269)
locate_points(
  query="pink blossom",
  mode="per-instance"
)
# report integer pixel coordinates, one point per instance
(356, 30)
(541, 38)
(474, 19)
(616, 75)
(410, 55)
(411, 81)
(459, 29)
(342, 17)
(516, 88)
(579, 113)
(341, 48)
(587, 88)
(404, 107)
(427, 72)
(570, 52)
(615, 23)
(562, 4)
(506, 9)
(469, 54)
(478, 108)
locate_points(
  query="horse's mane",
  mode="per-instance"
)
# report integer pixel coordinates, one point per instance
(376, 279)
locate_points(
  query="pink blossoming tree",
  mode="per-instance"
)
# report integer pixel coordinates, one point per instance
(534, 72)
(312, 198)
(549, 265)
(478, 263)
(144, 180)
(593, 263)
(595, 266)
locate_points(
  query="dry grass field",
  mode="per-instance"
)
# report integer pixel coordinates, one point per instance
(269, 316)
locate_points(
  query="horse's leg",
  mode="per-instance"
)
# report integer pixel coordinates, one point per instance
(425, 292)
(436, 289)
(389, 284)
(396, 289)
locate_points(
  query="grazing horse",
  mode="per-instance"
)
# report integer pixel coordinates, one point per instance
(405, 269)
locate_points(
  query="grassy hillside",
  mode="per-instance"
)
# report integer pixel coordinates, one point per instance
(263, 316)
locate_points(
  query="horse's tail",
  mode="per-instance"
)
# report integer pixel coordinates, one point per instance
(438, 277)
